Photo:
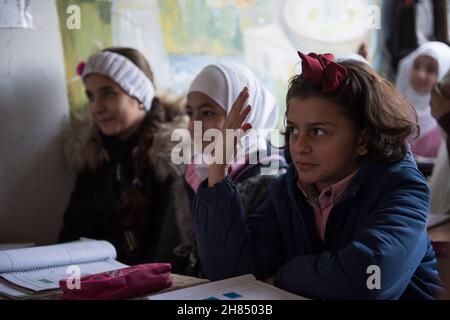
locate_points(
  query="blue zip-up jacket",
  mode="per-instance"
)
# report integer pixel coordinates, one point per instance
(381, 221)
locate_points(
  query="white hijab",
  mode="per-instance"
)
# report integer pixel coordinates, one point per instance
(441, 53)
(223, 83)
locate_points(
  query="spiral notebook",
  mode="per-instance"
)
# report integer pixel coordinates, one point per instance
(39, 269)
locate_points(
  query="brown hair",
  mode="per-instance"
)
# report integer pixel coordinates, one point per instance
(134, 202)
(372, 103)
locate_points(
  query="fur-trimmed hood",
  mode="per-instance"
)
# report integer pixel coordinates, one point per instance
(83, 147)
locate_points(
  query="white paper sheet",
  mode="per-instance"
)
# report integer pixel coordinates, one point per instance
(239, 288)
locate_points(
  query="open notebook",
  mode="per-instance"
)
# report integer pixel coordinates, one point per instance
(25, 272)
(244, 287)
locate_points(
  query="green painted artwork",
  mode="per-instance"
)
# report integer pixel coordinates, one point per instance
(210, 27)
(183, 36)
(79, 44)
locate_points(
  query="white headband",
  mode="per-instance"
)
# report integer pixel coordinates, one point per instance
(125, 73)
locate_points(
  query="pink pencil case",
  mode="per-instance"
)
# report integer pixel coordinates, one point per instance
(119, 284)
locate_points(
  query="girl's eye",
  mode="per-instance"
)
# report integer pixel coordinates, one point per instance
(208, 113)
(89, 97)
(431, 70)
(189, 113)
(292, 131)
(317, 132)
(109, 93)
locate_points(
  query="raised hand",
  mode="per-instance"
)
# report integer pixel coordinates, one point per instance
(439, 104)
(235, 121)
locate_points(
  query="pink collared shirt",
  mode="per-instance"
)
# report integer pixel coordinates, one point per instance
(326, 200)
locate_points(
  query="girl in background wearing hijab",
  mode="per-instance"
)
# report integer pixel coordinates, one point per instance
(417, 74)
(209, 102)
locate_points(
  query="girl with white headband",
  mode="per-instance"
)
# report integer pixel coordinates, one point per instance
(417, 74)
(209, 100)
(121, 154)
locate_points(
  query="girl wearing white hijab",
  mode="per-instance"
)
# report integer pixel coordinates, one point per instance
(417, 74)
(210, 98)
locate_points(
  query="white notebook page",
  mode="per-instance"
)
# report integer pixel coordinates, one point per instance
(238, 288)
(48, 278)
(55, 255)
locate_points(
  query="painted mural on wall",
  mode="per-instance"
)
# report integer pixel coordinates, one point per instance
(265, 35)
(180, 37)
(94, 34)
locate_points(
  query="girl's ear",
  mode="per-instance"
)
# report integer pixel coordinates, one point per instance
(362, 149)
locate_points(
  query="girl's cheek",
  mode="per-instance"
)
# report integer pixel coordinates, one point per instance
(431, 83)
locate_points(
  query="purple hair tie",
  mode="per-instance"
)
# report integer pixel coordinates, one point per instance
(80, 68)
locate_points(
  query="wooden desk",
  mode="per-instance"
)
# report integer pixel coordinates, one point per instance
(440, 232)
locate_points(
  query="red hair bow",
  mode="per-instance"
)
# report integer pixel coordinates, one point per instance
(323, 71)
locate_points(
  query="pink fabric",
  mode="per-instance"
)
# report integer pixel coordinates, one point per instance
(327, 199)
(121, 283)
(80, 68)
(428, 145)
(191, 177)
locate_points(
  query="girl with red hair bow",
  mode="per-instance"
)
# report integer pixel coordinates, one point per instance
(348, 220)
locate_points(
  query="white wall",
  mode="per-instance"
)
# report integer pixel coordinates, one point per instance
(34, 184)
